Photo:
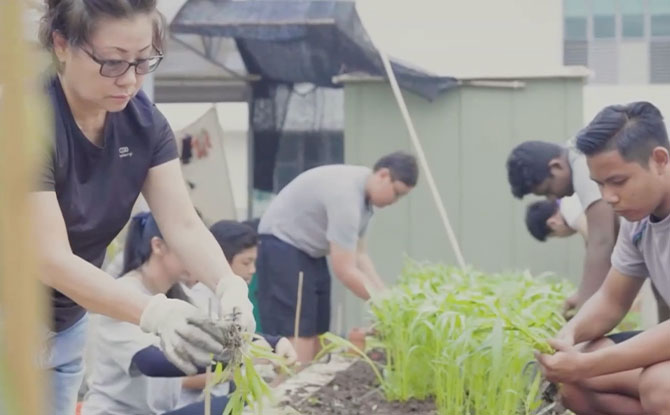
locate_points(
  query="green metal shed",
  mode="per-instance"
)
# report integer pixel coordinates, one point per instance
(467, 134)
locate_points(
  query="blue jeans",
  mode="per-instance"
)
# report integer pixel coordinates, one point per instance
(64, 359)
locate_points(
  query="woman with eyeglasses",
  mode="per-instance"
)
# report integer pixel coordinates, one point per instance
(110, 143)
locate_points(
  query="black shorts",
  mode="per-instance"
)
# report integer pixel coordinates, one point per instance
(277, 267)
(623, 336)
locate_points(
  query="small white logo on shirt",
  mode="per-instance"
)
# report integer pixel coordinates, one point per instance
(124, 152)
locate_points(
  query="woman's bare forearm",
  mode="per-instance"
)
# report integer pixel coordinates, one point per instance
(92, 288)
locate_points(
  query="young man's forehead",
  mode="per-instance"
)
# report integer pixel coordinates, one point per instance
(611, 163)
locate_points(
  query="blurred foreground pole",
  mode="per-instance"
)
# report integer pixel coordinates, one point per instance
(22, 303)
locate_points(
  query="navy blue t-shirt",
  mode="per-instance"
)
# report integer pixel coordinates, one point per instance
(97, 186)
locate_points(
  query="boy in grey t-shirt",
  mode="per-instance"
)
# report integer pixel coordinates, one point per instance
(628, 155)
(323, 212)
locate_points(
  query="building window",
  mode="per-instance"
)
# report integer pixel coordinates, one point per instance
(660, 25)
(575, 27)
(659, 61)
(576, 52)
(604, 19)
(659, 45)
(604, 27)
(660, 17)
(632, 26)
(575, 20)
(621, 41)
(632, 19)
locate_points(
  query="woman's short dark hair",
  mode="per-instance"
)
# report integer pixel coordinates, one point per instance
(75, 20)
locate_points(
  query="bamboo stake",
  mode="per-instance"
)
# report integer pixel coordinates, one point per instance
(296, 332)
(21, 295)
(296, 326)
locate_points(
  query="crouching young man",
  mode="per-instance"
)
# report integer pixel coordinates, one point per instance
(628, 155)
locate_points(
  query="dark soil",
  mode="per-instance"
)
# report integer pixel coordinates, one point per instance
(355, 391)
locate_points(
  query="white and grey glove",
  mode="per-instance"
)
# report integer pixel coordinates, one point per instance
(186, 345)
(285, 349)
(233, 295)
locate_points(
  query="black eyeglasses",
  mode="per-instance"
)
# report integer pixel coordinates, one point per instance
(114, 68)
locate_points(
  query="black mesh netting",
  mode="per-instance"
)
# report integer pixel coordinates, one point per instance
(291, 44)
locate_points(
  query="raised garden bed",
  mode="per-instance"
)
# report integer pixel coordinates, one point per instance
(448, 342)
(348, 386)
(453, 341)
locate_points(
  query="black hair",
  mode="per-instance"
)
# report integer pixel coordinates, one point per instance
(233, 237)
(401, 165)
(253, 223)
(634, 130)
(137, 250)
(75, 19)
(537, 215)
(528, 165)
(142, 229)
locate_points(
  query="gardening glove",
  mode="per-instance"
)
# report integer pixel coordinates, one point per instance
(233, 294)
(186, 345)
(261, 342)
(224, 331)
(285, 349)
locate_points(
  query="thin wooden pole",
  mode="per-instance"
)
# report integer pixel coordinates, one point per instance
(296, 326)
(421, 155)
(21, 296)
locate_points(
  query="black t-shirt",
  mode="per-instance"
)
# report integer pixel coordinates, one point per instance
(96, 186)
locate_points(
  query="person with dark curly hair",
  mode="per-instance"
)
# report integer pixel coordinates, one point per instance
(555, 171)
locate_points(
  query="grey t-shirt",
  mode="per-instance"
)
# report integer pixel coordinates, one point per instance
(586, 189)
(116, 386)
(643, 250)
(322, 205)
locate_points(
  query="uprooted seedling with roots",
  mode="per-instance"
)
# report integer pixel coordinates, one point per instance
(233, 339)
(237, 364)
